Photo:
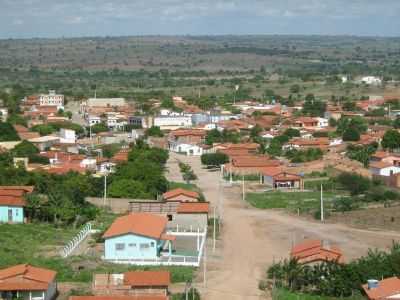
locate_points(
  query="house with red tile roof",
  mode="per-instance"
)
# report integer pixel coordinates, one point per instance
(137, 236)
(315, 251)
(133, 283)
(27, 282)
(384, 289)
(187, 141)
(276, 178)
(251, 164)
(181, 195)
(12, 203)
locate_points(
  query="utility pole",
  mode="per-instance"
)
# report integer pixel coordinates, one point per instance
(105, 189)
(205, 265)
(322, 205)
(243, 196)
(214, 228)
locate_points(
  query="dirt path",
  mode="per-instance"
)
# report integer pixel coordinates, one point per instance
(252, 239)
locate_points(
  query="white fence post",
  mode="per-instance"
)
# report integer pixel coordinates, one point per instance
(72, 244)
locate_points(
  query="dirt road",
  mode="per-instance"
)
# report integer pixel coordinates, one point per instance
(252, 239)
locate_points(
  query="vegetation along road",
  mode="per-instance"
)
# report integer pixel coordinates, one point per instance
(252, 239)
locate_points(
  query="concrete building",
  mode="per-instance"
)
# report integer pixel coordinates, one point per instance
(52, 99)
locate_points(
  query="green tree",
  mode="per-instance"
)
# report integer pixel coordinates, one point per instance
(8, 133)
(351, 134)
(127, 188)
(154, 131)
(99, 127)
(214, 159)
(292, 132)
(391, 140)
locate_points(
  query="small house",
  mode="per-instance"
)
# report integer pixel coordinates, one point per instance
(137, 236)
(28, 283)
(388, 288)
(181, 195)
(316, 251)
(12, 203)
(382, 168)
(134, 283)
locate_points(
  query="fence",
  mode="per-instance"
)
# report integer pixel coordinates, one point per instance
(71, 246)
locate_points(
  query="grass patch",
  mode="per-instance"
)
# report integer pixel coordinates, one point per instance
(283, 294)
(38, 245)
(289, 200)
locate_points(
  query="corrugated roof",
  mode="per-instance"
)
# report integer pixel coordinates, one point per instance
(147, 278)
(144, 224)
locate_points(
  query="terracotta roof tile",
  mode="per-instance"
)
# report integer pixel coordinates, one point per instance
(188, 132)
(386, 288)
(41, 276)
(147, 278)
(138, 223)
(12, 201)
(315, 250)
(177, 192)
(26, 188)
(190, 207)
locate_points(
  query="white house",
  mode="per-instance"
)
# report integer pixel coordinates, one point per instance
(371, 80)
(172, 121)
(188, 149)
(3, 114)
(383, 168)
(67, 136)
(322, 122)
(93, 120)
(52, 99)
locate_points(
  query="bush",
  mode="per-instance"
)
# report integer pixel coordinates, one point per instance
(214, 159)
(354, 183)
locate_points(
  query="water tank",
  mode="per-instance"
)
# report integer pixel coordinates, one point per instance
(372, 284)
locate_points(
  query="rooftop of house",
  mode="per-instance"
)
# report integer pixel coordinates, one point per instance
(286, 176)
(144, 224)
(271, 171)
(12, 201)
(385, 289)
(254, 161)
(147, 278)
(40, 278)
(193, 208)
(121, 156)
(188, 132)
(309, 251)
(380, 165)
(179, 191)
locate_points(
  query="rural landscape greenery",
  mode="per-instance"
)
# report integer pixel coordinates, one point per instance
(211, 73)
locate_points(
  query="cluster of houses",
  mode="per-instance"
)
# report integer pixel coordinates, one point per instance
(32, 283)
(314, 252)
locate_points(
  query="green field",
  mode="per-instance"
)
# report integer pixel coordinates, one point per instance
(38, 244)
(282, 294)
(289, 200)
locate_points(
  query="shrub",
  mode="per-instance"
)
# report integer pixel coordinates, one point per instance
(214, 159)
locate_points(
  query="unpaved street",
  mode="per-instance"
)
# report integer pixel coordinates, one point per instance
(252, 238)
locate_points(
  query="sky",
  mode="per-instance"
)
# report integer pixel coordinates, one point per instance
(75, 18)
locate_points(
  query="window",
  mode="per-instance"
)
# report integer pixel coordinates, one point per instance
(132, 245)
(144, 246)
(119, 246)
(152, 244)
(169, 217)
(16, 212)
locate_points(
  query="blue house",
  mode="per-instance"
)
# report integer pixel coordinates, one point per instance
(12, 205)
(137, 236)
